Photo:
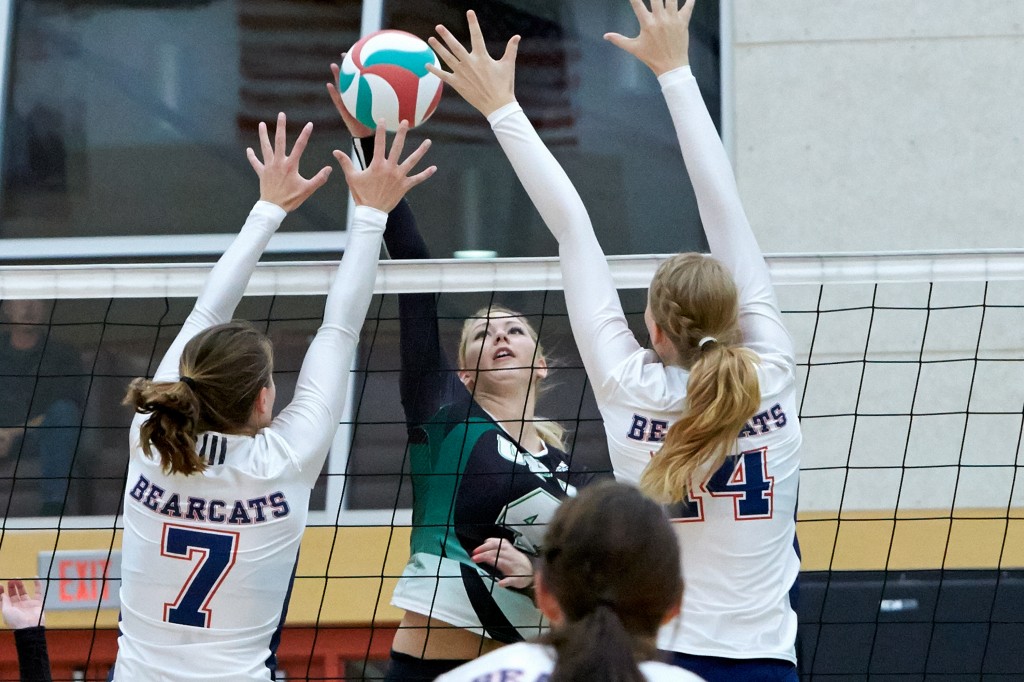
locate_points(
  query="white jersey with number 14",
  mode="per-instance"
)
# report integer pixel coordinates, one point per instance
(737, 533)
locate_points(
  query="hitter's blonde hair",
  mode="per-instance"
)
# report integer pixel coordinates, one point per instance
(551, 432)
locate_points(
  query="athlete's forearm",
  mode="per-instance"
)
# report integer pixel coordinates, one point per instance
(226, 282)
(426, 381)
(33, 657)
(595, 313)
(322, 386)
(728, 231)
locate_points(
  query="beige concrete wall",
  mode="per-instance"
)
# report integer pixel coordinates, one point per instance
(906, 409)
(890, 125)
(880, 124)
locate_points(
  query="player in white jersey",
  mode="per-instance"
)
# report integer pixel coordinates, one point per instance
(722, 365)
(606, 583)
(218, 489)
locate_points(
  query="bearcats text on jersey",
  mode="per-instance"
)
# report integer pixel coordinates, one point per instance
(235, 512)
(653, 430)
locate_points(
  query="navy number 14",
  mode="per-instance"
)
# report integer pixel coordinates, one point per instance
(744, 478)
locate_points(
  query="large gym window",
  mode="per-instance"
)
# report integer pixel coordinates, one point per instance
(126, 118)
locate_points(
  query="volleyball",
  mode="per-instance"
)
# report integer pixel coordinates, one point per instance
(384, 75)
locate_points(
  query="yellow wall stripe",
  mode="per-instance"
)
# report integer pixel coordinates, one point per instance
(341, 580)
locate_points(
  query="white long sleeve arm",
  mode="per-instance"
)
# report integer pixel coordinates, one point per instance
(728, 231)
(595, 312)
(226, 283)
(310, 420)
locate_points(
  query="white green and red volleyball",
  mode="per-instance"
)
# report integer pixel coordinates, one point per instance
(384, 75)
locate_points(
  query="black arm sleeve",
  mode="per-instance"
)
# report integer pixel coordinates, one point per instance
(33, 658)
(428, 380)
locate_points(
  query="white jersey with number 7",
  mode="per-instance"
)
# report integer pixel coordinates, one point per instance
(207, 559)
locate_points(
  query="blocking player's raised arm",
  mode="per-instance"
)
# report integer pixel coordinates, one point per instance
(427, 379)
(598, 323)
(662, 44)
(313, 415)
(282, 189)
(595, 311)
(728, 231)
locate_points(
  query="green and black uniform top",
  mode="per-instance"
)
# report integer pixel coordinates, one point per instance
(471, 479)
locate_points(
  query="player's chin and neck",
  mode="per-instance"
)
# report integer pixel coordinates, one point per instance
(501, 391)
(505, 383)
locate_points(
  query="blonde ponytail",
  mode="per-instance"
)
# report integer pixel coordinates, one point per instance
(722, 393)
(551, 432)
(694, 302)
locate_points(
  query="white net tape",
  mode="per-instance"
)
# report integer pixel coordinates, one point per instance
(506, 274)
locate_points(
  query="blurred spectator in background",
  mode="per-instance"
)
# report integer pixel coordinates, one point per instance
(40, 411)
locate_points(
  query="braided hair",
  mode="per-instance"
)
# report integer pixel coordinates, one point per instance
(693, 300)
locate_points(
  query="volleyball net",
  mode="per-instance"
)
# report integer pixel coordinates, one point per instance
(911, 372)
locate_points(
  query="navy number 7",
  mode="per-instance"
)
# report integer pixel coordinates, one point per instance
(744, 478)
(215, 551)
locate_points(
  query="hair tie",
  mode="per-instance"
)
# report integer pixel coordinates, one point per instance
(705, 341)
(188, 381)
(605, 601)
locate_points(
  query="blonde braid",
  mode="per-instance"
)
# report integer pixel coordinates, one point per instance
(693, 297)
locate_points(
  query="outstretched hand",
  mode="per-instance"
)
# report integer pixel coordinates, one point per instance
(19, 609)
(485, 83)
(355, 128)
(385, 181)
(280, 181)
(513, 564)
(664, 37)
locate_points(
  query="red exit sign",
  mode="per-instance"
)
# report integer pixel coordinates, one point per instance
(81, 580)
